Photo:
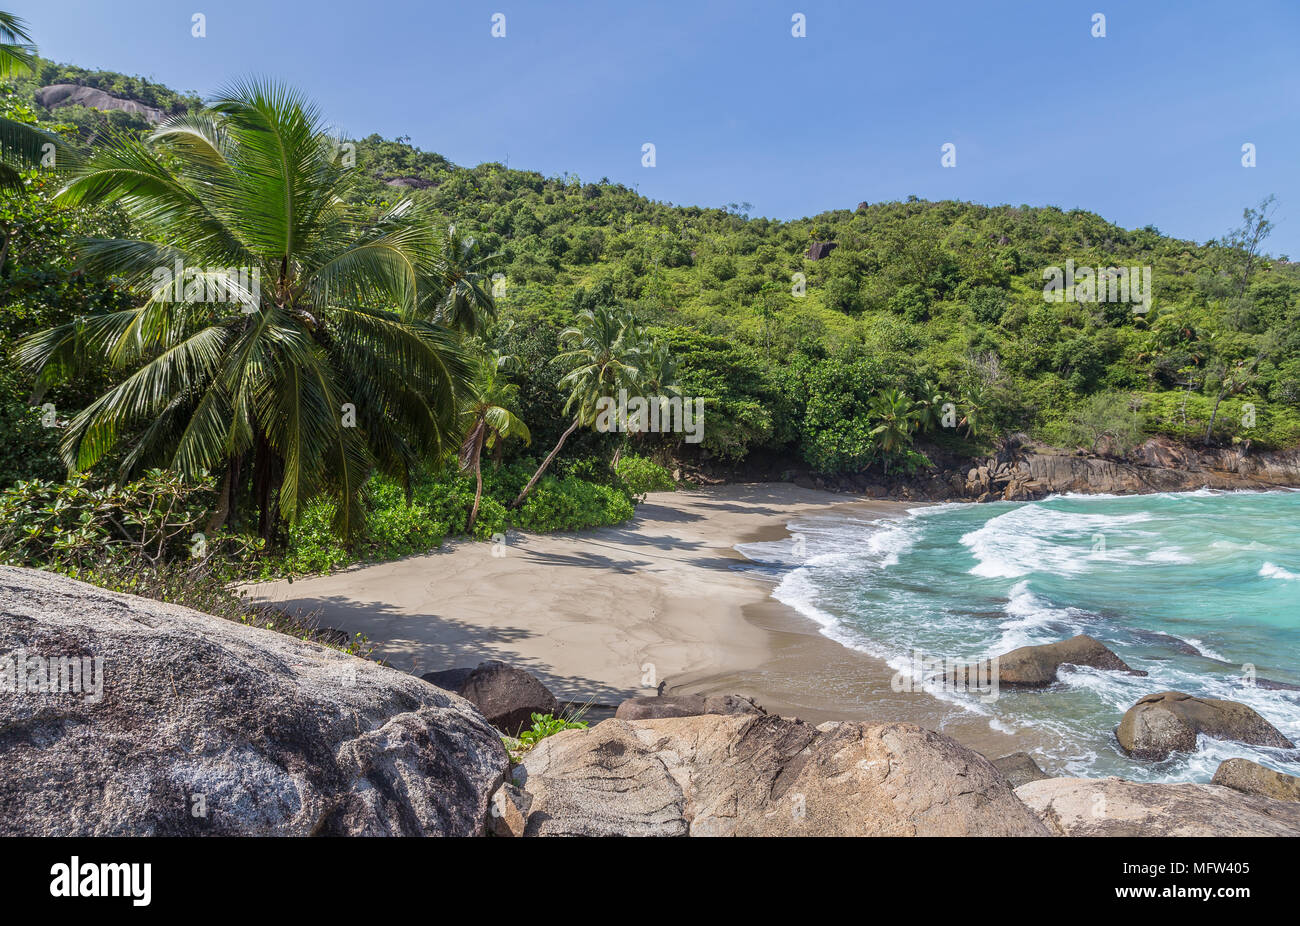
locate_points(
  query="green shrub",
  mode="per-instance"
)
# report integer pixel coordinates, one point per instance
(28, 449)
(572, 504)
(73, 526)
(641, 475)
(439, 507)
(313, 545)
(545, 725)
(1186, 416)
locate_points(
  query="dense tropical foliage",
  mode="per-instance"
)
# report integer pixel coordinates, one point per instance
(404, 349)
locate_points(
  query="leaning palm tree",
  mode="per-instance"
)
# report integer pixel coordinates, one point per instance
(603, 357)
(23, 145)
(487, 419)
(283, 343)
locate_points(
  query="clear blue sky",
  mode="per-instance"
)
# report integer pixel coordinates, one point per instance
(1144, 126)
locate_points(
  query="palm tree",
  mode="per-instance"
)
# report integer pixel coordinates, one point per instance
(602, 359)
(657, 370)
(310, 364)
(23, 145)
(464, 299)
(974, 409)
(487, 419)
(893, 409)
(17, 52)
(656, 377)
(929, 407)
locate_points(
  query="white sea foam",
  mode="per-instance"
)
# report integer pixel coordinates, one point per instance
(1172, 555)
(1030, 620)
(1271, 571)
(1206, 651)
(1034, 538)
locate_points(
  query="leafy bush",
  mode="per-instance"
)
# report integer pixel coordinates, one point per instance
(1106, 421)
(544, 725)
(571, 504)
(641, 476)
(313, 544)
(146, 539)
(74, 526)
(1185, 416)
(395, 528)
(28, 449)
(439, 507)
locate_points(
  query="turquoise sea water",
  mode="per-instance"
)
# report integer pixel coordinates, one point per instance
(1200, 589)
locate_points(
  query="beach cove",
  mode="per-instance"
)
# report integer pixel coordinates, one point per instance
(607, 614)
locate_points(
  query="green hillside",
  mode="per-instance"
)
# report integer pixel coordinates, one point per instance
(921, 324)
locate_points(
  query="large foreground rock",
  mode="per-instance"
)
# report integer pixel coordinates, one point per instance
(1169, 721)
(507, 696)
(762, 775)
(1252, 778)
(1036, 666)
(209, 726)
(1116, 807)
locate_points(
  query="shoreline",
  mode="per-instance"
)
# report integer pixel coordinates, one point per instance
(607, 614)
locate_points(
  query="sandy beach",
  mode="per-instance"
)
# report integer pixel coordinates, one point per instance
(606, 614)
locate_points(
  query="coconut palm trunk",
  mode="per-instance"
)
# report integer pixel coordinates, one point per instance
(577, 419)
(475, 441)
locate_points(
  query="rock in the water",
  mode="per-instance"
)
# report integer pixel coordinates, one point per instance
(1169, 721)
(1271, 685)
(762, 775)
(652, 708)
(1252, 778)
(1116, 807)
(1035, 666)
(508, 697)
(262, 733)
(1019, 768)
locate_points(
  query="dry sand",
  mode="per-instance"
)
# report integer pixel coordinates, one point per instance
(606, 614)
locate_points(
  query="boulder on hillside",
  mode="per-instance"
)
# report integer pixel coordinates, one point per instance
(1116, 807)
(57, 95)
(762, 775)
(1019, 768)
(507, 696)
(196, 725)
(1036, 666)
(1169, 721)
(652, 708)
(1252, 778)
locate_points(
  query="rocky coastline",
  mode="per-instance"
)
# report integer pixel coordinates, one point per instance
(203, 726)
(1022, 469)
